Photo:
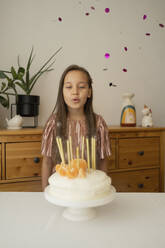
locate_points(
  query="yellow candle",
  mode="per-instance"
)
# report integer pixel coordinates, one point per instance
(94, 153)
(88, 159)
(82, 148)
(59, 147)
(62, 151)
(71, 151)
(77, 153)
(68, 152)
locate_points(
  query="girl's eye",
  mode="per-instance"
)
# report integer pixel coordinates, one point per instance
(68, 87)
(82, 87)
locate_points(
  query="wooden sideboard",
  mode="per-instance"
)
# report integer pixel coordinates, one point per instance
(20, 159)
(138, 159)
(136, 164)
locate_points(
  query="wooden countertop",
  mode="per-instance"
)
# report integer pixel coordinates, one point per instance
(116, 128)
(37, 130)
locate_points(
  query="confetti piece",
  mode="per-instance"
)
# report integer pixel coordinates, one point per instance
(161, 25)
(148, 34)
(125, 48)
(92, 7)
(111, 84)
(124, 69)
(107, 55)
(144, 17)
(107, 10)
(105, 69)
(87, 14)
(60, 19)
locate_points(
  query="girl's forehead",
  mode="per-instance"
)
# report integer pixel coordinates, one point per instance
(75, 76)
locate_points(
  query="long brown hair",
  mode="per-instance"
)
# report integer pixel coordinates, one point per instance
(61, 109)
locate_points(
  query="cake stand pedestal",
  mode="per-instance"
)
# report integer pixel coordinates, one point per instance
(80, 211)
(79, 214)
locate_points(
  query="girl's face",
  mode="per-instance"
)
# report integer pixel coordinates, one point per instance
(76, 90)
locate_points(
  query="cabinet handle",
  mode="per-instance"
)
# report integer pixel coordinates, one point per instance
(140, 185)
(36, 160)
(130, 162)
(141, 153)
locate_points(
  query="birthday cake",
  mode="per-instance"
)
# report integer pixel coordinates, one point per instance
(77, 181)
(96, 184)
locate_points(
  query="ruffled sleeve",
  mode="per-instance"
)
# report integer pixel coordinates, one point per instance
(48, 136)
(103, 137)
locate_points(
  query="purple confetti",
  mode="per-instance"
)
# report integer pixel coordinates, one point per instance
(124, 69)
(144, 17)
(148, 34)
(60, 19)
(107, 55)
(107, 10)
(125, 48)
(161, 25)
(87, 14)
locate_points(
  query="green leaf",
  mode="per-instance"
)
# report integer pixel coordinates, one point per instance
(40, 72)
(21, 72)
(2, 75)
(22, 86)
(30, 60)
(3, 86)
(18, 61)
(27, 78)
(4, 101)
(13, 72)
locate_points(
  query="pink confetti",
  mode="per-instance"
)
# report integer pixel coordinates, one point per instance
(92, 7)
(161, 25)
(107, 10)
(60, 19)
(148, 34)
(144, 17)
(87, 14)
(125, 48)
(107, 55)
(124, 69)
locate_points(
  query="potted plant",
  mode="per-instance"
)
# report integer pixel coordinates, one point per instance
(27, 104)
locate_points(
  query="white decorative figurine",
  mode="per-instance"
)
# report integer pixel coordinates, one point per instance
(147, 117)
(15, 122)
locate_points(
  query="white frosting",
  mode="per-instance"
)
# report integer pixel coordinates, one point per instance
(95, 185)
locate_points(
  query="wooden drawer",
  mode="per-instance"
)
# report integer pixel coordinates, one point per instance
(23, 160)
(136, 181)
(32, 186)
(112, 158)
(138, 152)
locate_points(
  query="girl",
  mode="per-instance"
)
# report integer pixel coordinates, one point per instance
(73, 116)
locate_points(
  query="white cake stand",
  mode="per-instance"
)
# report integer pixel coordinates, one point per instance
(80, 211)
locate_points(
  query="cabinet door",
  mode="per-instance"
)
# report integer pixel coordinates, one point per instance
(136, 181)
(23, 160)
(138, 152)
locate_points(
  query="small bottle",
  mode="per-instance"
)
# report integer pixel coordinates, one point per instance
(128, 113)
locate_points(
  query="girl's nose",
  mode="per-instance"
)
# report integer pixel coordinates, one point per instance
(75, 90)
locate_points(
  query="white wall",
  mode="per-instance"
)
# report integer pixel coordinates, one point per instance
(85, 40)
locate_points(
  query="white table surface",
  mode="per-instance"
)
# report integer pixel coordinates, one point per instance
(131, 220)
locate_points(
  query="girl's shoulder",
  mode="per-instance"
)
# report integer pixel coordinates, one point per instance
(51, 122)
(100, 121)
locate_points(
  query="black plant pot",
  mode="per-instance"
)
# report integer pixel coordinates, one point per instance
(27, 105)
